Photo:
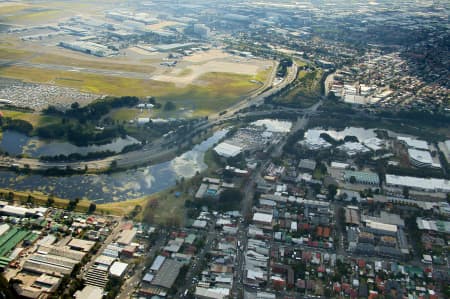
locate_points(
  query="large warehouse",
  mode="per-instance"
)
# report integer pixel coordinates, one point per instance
(227, 150)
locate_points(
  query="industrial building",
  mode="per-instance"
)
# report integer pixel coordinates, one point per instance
(413, 143)
(365, 178)
(126, 236)
(263, 218)
(307, 165)
(118, 269)
(419, 184)
(202, 31)
(88, 48)
(10, 210)
(167, 274)
(422, 159)
(53, 259)
(157, 263)
(89, 292)
(227, 150)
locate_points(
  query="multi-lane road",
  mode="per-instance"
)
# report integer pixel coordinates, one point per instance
(249, 190)
(158, 149)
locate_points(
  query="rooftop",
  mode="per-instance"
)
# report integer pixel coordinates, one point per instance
(430, 184)
(414, 143)
(227, 150)
(262, 217)
(168, 273)
(118, 269)
(89, 292)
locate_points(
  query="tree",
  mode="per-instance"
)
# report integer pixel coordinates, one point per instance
(7, 289)
(229, 199)
(137, 209)
(113, 164)
(168, 106)
(92, 208)
(75, 105)
(72, 204)
(10, 197)
(405, 192)
(30, 199)
(50, 201)
(352, 180)
(332, 191)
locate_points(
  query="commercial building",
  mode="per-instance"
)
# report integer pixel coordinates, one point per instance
(118, 269)
(365, 178)
(227, 150)
(9, 210)
(307, 164)
(167, 275)
(263, 218)
(211, 293)
(89, 292)
(202, 31)
(88, 48)
(422, 159)
(36, 286)
(81, 245)
(434, 225)
(385, 217)
(352, 216)
(157, 263)
(353, 148)
(126, 236)
(420, 184)
(413, 143)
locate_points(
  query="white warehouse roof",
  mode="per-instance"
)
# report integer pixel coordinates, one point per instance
(421, 156)
(212, 292)
(157, 263)
(414, 143)
(227, 150)
(118, 269)
(261, 217)
(432, 184)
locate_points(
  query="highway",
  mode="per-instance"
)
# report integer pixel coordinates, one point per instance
(158, 150)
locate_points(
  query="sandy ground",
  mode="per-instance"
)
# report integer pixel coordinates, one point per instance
(162, 25)
(206, 56)
(181, 77)
(142, 52)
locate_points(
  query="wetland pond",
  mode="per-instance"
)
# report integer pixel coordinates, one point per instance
(119, 186)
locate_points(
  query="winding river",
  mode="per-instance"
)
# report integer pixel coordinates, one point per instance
(119, 186)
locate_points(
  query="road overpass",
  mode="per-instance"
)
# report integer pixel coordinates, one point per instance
(160, 149)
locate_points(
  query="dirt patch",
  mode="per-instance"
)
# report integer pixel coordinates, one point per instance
(206, 56)
(188, 75)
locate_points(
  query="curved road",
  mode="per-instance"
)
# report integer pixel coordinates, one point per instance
(158, 149)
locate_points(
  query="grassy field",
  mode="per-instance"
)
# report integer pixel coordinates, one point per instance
(214, 91)
(35, 119)
(122, 208)
(305, 91)
(124, 114)
(105, 63)
(93, 83)
(41, 199)
(32, 15)
(6, 52)
(13, 8)
(263, 75)
(166, 209)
